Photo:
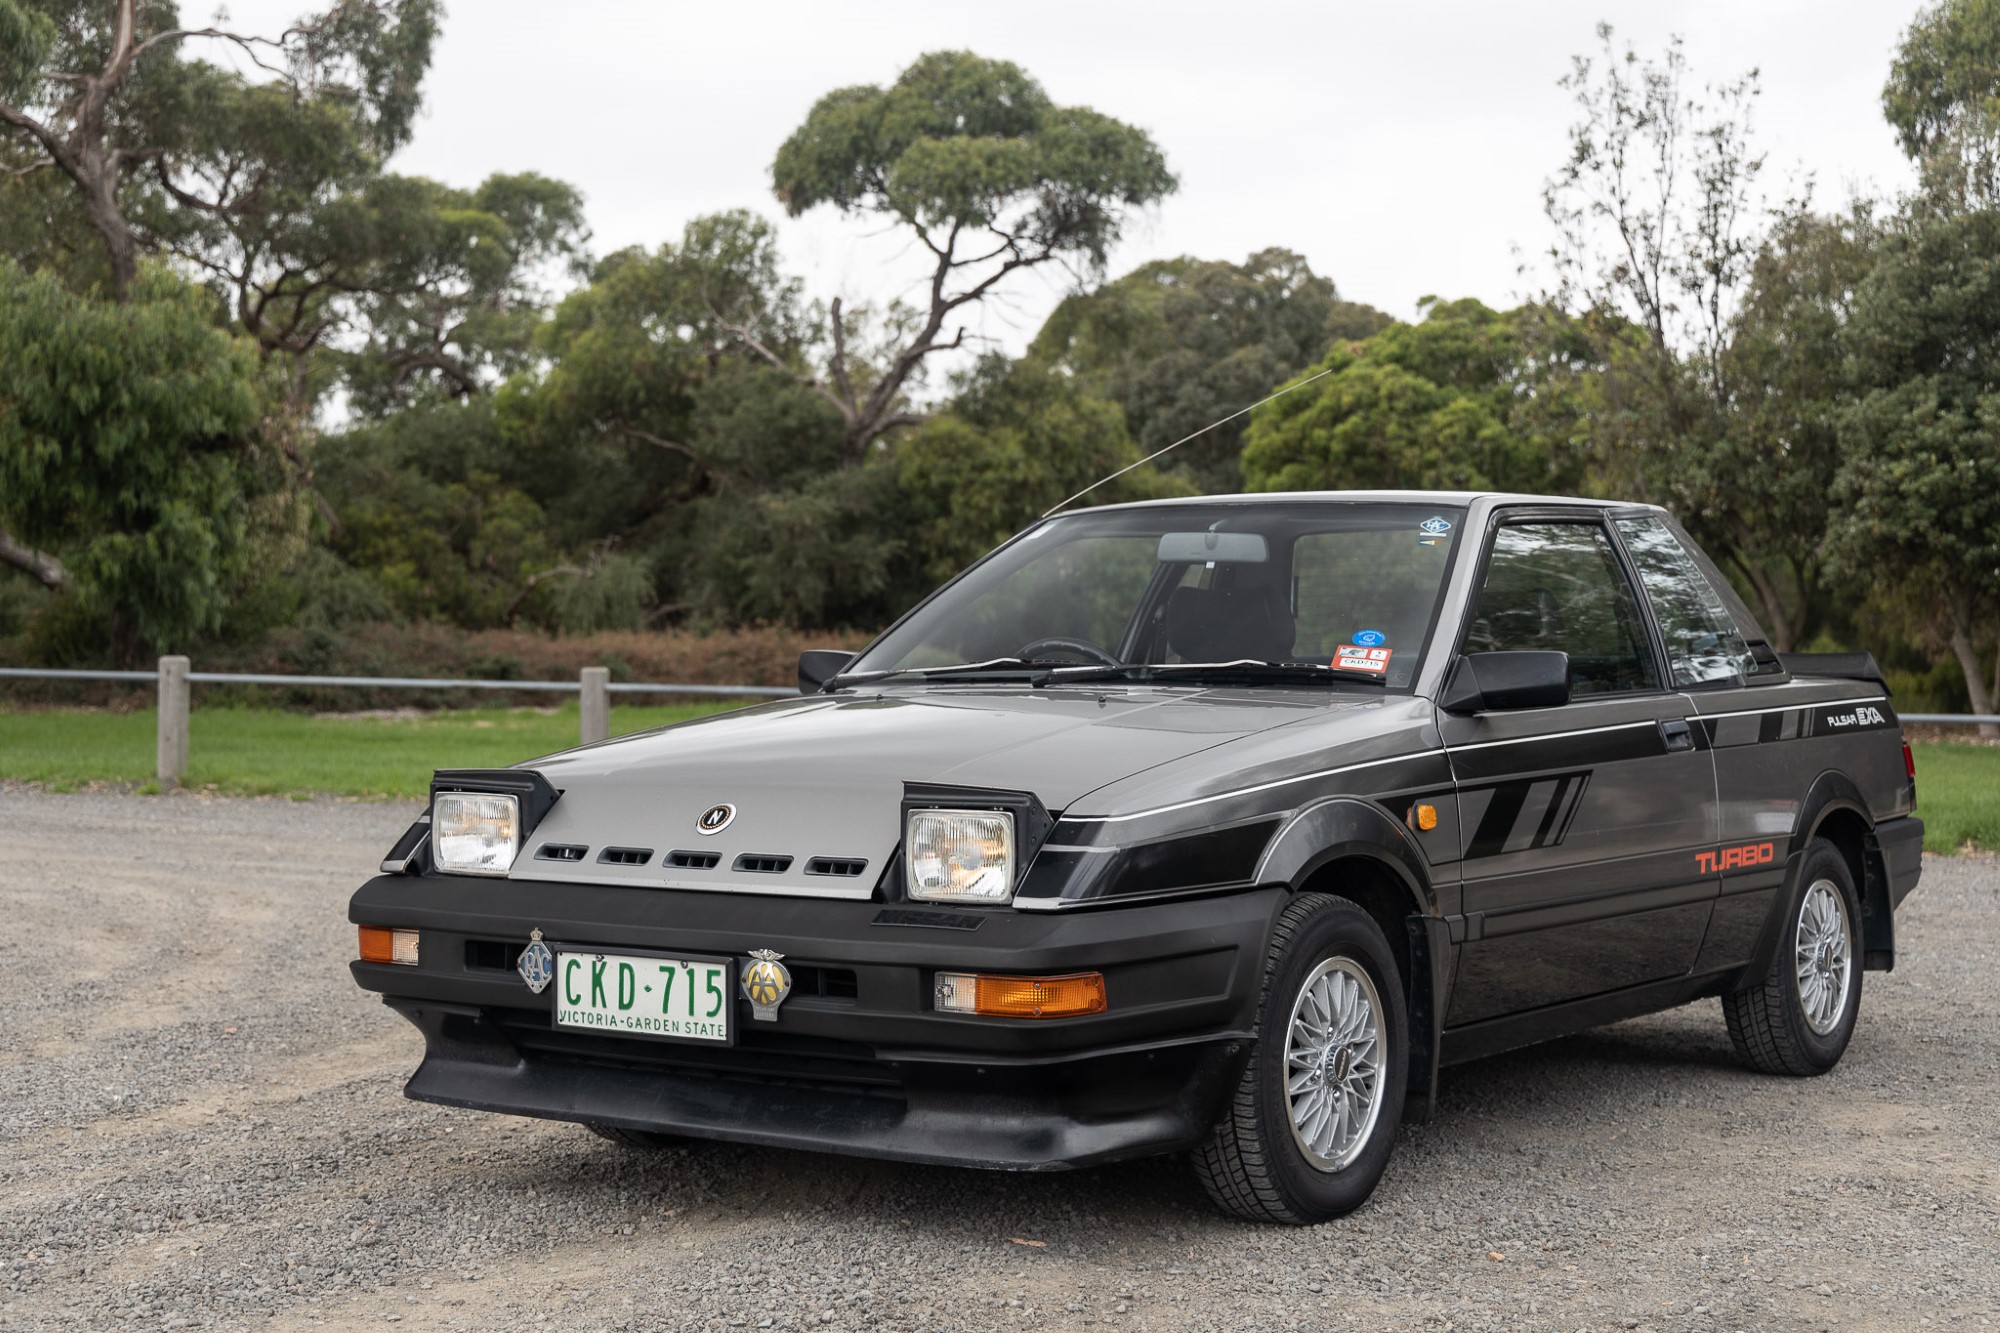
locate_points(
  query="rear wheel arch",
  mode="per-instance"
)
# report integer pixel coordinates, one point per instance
(1834, 812)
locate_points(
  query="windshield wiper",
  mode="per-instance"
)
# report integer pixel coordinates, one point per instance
(1246, 669)
(993, 665)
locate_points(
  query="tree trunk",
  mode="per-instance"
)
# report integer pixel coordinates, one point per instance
(47, 570)
(1975, 680)
(1783, 637)
(98, 179)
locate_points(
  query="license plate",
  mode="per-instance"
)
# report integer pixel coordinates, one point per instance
(644, 995)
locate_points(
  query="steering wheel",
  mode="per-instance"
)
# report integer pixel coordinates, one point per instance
(1084, 647)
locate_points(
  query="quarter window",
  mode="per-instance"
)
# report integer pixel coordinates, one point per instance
(1703, 643)
(1559, 587)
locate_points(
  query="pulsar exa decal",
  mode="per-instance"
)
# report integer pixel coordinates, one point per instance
(1863, 716)
(1745, 857)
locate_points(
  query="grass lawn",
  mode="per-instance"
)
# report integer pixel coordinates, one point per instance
(1958, 796)
(258, 751)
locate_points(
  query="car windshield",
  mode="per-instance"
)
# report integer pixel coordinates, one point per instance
(1330, 590)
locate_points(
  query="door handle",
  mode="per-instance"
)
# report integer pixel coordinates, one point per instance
(1677, 734)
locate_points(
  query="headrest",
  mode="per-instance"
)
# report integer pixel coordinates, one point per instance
(1223, 625)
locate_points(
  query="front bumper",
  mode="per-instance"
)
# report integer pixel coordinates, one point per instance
(857, 1061)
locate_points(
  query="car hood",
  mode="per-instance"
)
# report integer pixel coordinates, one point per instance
(821, 778)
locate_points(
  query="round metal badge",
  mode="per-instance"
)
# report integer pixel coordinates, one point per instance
(716, 818)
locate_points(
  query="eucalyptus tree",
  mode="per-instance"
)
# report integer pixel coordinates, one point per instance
(101, 93)
(1661, 238)
(1467, 398)
(1181, 343)
(1946, 75)
(460, 286)
(130, 450)
(988, 174)
(1920, 478)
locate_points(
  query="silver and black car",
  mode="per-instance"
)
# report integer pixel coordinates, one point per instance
(1210, 826)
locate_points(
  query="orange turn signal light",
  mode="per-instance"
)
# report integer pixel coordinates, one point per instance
(1425, 817)
(1020, 997)
(379, 944)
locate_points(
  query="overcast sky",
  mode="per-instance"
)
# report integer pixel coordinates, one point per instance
(1401, 147)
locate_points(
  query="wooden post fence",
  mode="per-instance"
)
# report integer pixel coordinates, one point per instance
(173, 735)
(594, 705)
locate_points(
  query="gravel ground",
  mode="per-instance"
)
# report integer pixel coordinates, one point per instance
(201, 1126)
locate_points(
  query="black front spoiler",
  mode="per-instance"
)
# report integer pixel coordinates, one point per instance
(1007, 1114)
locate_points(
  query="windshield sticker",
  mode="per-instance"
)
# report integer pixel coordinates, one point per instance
(1369, 638)
(1375, 660)
(1434, 526)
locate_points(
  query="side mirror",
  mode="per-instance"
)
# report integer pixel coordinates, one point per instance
(1491, 682)
(817, 666)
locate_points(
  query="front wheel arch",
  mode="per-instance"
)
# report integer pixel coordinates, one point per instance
(1418, 940)
(1254, 1164)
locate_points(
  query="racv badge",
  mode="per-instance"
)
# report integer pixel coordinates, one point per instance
(537, 966)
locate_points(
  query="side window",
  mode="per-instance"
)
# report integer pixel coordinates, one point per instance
(1559, 587)
(1703, 643)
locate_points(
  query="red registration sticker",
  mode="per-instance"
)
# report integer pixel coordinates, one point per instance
(1352, 658)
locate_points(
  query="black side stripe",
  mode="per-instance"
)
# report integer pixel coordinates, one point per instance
(1576, 804)
(1490, 839)
(1549, 804)
(1568, 750)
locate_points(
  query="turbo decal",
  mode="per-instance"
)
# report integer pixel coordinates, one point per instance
(1745, 857)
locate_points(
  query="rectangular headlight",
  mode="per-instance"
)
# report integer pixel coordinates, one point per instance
(474, 833)
(959, 856)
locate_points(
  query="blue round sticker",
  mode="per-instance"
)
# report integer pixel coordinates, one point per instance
(1370, 638)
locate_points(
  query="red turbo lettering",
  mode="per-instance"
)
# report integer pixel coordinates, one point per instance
(1736, 858)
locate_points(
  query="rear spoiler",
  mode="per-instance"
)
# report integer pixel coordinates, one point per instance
(1841, 666)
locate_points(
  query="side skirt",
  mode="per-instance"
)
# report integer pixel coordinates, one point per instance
(1475, 1041)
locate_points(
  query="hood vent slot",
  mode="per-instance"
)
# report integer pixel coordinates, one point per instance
(561, 851)
(625, 856)
(756, 863)
(835, 865)
(694, 860)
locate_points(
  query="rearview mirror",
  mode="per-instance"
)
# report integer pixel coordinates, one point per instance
(817, 666)
(1221, 548)
(1492, 682)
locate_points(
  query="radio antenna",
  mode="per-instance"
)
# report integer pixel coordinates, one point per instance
(1223, 421)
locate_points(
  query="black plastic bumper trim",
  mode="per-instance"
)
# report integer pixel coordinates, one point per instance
(1070, 1113)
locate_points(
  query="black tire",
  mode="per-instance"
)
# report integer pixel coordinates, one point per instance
(651, 1140)
(1769, 1022)
(1253, 1165)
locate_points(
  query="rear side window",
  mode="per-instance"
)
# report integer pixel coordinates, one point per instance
(1559, 587)
(1703, 644)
